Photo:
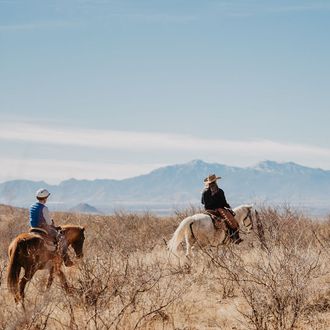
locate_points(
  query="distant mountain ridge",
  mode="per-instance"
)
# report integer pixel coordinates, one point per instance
(181, 184)
(84, 208)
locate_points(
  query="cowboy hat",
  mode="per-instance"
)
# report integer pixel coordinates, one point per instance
(211, 178)
(42, 193)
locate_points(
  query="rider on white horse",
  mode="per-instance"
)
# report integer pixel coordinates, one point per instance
(214, 201)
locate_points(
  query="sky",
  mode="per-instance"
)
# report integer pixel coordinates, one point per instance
(116, 88)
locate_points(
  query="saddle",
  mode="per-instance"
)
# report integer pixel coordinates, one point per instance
(49, 243)
(217, 220)
(223, 218)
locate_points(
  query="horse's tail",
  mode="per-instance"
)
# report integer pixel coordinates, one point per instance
(178, 235)
(14, 268)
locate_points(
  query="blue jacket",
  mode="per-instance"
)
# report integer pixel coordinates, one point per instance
(36, 216)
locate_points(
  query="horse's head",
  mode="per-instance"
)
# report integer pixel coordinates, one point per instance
(75, 236)
(244, 217)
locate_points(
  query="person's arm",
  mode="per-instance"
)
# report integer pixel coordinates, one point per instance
(45, 213)
(202, 200)
(207, 200)
(224, 201)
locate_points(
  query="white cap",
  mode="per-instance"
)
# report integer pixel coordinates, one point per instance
(42, 193)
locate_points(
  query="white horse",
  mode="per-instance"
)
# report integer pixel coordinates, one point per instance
(199, 228)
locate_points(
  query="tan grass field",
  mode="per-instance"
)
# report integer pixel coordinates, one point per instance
(278, 278)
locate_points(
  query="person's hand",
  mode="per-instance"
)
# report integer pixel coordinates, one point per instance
(231, 211)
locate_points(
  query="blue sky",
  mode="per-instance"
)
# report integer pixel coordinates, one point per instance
(111, 89)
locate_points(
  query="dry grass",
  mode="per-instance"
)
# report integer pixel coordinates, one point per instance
(278, 278)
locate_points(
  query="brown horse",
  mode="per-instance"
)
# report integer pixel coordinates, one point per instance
(28, 251)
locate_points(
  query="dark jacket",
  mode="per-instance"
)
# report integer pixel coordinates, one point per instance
(216, 201)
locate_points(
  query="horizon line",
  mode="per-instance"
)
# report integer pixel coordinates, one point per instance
(255, 166)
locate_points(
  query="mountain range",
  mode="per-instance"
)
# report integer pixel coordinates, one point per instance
(176, 186)
(84, 208)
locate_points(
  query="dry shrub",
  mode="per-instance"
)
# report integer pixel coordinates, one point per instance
(126, 292)
(191, 210)
(278, 278)
(12, 221)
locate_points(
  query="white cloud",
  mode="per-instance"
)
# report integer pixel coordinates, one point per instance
(148, 141)
(125, 154)
(54, 170)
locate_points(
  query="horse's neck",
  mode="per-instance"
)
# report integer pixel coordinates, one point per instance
(240, 214)
(70, 234)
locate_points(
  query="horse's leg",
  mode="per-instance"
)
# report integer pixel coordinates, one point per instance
(189, 243)
(60, 274)
(26, 278)
(63, 281)
(50, 278)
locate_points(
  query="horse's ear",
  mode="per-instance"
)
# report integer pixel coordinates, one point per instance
(82, 228)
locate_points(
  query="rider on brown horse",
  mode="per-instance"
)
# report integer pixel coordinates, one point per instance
(41, 222)
(214, 201)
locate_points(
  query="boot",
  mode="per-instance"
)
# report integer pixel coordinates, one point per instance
(238, 240)
(234, 235)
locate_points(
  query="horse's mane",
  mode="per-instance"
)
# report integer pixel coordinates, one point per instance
(74, 231)
(67, 226)
(244, 206)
